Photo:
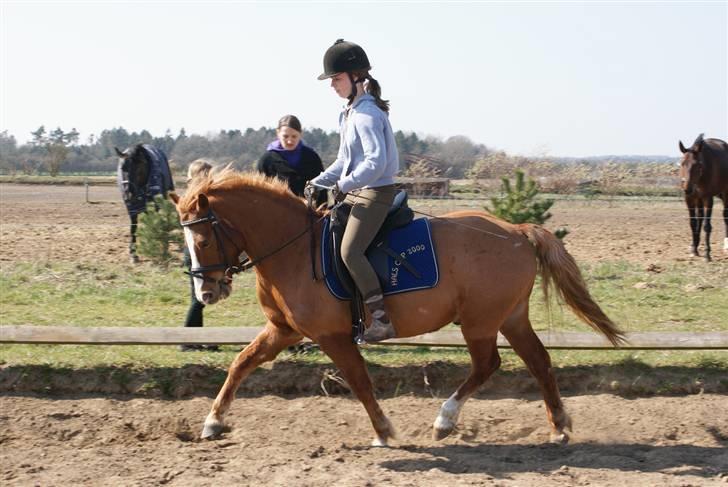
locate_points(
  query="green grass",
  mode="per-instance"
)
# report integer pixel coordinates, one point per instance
(147, 296)
(124, 295)
(681, 297)
(140, 357)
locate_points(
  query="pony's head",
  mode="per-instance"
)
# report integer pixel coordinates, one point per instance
(134, 169)
(209, 241)
(225, 213)
(692, 165)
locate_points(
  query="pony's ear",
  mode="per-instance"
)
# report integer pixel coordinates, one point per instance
(682, 147)
(698, 144)
(173, 196)
(118, 152)
(203, 204)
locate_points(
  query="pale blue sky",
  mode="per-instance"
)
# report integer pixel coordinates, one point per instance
(566, 79)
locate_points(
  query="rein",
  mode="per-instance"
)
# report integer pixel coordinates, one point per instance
(243, 265)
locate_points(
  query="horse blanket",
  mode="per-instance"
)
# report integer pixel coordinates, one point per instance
(137, 194)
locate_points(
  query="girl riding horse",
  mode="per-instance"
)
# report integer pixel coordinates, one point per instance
(365, 168)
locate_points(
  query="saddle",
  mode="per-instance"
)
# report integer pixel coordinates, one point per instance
(401, 254)
(399, 215)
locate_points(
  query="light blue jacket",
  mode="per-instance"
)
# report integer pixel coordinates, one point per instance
(367, 155)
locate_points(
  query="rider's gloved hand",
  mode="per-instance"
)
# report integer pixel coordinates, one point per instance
(339, 195)
(309, 191)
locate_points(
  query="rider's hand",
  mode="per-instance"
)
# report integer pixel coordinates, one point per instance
(339, 196)
(309, 190)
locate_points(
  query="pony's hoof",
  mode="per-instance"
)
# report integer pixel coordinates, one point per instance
(559, 438)
(379, 442)
(211, 431)
(133, 259)
(441, 433)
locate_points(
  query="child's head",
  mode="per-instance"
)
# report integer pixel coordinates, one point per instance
(199, 167)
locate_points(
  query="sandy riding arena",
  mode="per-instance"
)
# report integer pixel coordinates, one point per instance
(283, 436)
(315, 441)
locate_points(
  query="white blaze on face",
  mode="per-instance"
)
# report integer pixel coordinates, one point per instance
(195, 263)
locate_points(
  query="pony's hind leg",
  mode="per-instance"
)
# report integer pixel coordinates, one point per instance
(263, 348)
(347, 358)
(519, 333)
(484, 361)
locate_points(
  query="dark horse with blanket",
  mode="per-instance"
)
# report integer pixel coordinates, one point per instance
(143, 172)
(704, 174)
(487, 270)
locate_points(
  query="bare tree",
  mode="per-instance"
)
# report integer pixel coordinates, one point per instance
(57, 144)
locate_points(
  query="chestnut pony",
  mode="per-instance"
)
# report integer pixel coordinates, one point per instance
(485, 283)
(704, 174)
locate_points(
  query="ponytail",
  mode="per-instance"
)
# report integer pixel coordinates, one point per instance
(371, 86)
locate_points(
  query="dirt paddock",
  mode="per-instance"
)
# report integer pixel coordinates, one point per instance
(324, 441)
(315, 440)
(41, 222)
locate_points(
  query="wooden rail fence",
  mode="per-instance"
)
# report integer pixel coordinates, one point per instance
(444, 338)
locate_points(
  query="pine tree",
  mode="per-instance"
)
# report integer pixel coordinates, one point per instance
(158, 229)
(519, 204)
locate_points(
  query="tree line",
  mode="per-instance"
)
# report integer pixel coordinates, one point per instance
(60, 151)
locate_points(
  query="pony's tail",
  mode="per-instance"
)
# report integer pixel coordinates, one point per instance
(559, 270)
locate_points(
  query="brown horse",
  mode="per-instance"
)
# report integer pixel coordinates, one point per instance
(485, 284)
(704, 174)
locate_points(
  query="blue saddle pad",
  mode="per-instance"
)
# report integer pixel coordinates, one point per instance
(414, 241)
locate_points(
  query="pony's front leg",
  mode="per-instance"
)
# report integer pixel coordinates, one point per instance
(347, 358)
(264, 348)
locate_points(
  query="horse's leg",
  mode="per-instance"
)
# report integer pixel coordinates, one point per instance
(699, 216)
(133, 258)
(724, 197)
(347, 358)
(485, 360)
(264, 348)
(708, 226)
(519, 333)
(694, 225)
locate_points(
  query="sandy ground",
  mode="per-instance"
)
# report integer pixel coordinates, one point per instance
(277, 440)
(324, 441)
(665, 441)
(56, 223)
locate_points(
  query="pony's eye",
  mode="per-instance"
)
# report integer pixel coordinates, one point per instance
(204, 244)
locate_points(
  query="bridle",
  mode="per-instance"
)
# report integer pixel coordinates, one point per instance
(243, 265)
(220, 232)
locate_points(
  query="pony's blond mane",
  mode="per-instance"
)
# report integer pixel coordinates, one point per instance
(227, 179)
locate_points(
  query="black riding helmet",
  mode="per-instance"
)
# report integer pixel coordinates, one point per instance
(344, 57)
